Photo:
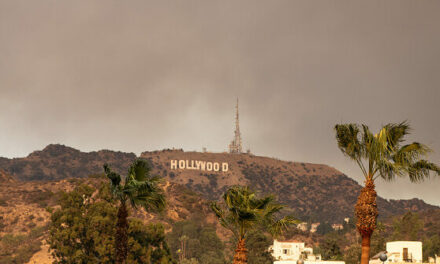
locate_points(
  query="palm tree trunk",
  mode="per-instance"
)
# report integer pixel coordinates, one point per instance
(240, 256)
(366, 213)
(365, 257)
(121, 242)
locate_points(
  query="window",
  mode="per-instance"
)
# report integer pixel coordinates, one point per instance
(285, 251)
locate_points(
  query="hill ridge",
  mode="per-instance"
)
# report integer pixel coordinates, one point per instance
(315, 192)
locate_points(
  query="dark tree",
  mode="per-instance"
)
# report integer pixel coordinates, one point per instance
(139, 189)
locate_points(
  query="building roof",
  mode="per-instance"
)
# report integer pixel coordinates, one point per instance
(289, 241)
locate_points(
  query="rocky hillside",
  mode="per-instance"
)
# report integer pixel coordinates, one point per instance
(23, 204)
(24, 216)
(57, 162)
(312, 191)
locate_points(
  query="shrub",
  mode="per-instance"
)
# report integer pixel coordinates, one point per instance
(89, 235)
(20, 248)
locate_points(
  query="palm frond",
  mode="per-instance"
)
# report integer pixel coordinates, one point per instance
(421, 169)
(140, 189)
(227, 221)
(272, 209)
(367, 141)
(139, 170)
(383, 152)
(388, 170)
(147, 194)
(397, 132)
(114, 177)
(152, 202)
(407, 154)
(150, 185)
(244, 211)
(262, 203)
(347, 136)
(277, 227)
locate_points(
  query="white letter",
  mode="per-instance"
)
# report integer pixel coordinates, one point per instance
(173, 164)
(192, 165)
(181, 164)
(209, 166)
(225, 166)
(216, 166)
(202, 165)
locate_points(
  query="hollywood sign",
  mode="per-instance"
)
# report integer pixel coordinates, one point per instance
(199, 165)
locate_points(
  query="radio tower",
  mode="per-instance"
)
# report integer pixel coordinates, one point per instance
(235, 146)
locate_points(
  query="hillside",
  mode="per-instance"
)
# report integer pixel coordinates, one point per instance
(57, 162)
(23, 204)
(24, 217)
(312, 191)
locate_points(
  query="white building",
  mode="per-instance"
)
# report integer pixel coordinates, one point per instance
(302, 226)
(433, 260)
(289, 252)
(337, 227)
(314, 227)
(405, 251)
(402, 252)
(309, 262)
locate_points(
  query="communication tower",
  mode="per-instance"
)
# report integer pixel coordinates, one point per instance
(236, 146)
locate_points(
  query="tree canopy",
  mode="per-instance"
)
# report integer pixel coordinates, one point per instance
(82, 231)
(384, 154)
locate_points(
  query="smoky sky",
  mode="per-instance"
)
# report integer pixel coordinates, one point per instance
(146, 75)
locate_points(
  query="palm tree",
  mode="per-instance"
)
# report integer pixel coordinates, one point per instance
(139, 189)
(382, 155)
(243, 211)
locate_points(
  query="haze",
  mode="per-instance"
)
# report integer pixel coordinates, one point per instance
(142, 75)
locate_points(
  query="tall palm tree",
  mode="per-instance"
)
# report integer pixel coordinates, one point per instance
(243, 211)
(139, 189)
(382, 155)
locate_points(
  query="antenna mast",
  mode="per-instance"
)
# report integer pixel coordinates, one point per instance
(236, 145)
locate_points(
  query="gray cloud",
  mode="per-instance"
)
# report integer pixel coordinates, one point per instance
(148, 75)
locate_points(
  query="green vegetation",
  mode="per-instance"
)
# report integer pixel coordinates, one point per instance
(242, 212)
(258, 244)
(353, 254)
(83, 231)
(329, 248)
(139, 189)
(85, 227)
(20, 248)
(407, 228)
(379, 238)
(410, 227)
(431, 247)
(197, 242)
(344, 244)
(381, 155)
(324, 228)
(147, 244)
